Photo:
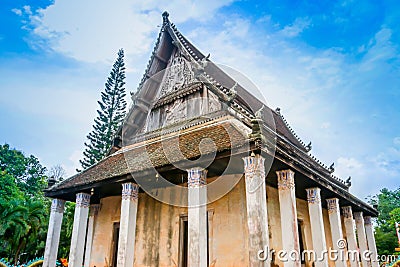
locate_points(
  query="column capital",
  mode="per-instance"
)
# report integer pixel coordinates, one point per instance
(197, 177)
(130, 191)
(333, 205)
(358, 216)
(94, 209)
(313, 195)
(57, 205)
(367, 220)
(285, 179)
(253, 164)
(82, 200)
(347, 212)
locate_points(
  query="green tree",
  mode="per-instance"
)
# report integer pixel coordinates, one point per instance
(388, 205)
(23, 207)
(28, 173)
(9, 189)
(12, 226)
(34, 215)
(110, 115)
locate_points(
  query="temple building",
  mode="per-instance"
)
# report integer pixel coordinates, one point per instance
(203, 173)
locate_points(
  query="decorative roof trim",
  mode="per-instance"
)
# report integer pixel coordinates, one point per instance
(315, 165)
(304, 146)
(175, 127)
(182, 92)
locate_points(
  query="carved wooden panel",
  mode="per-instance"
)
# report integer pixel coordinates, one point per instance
(178, 74)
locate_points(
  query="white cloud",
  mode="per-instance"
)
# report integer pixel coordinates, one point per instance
(396, 140)
(379, 50)
(17, 11)
(325, 125)
(93, 31)
(298, 26)
(27, 10)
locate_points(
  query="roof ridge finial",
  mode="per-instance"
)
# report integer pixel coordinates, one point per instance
(165, 16)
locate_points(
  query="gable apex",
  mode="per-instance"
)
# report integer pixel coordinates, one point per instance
(172, 49)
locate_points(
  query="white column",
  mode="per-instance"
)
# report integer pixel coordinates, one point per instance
(369, 231)
(127, 226)
(288, 211)
(257, 215)
(351, 236)
(93, 210)
(53, 232)
(197, 217)
(79, 230)
(362, 239)
(317, 226)
(335, 222)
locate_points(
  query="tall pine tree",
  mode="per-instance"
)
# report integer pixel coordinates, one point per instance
(110, 115)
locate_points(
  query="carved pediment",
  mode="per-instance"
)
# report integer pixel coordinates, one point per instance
(177, 75)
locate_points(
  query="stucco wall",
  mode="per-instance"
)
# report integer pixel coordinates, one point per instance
(110, 210)
(158, 224)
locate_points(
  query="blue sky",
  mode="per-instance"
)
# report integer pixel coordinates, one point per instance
(333, 68)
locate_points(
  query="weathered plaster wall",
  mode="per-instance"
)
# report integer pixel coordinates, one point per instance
(230, 235)
(157, 232)
(304, 217)
(110, 210)
(275, 222)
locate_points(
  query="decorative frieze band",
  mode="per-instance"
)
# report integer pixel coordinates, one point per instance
(197, 177)
(333, 205)
(94, 209)
(313, 195)
(130, 191)
(347, 212)
(367, 220)
(285, 179)
(254, 165)
(83, 200)
(358, 216)
(57, 205)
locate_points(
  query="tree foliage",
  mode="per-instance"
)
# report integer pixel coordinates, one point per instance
(29, 174)
(109, 117)
(24, 210)
(388, 205)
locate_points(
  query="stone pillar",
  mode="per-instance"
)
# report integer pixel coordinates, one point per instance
(287, 204)
(257, 215)
(197, 217)
(93, 210)
(335, 222)
(127, 225)
(79, 230)
(351, 236)
(362, 239)
(317, 226)
(53, 232)
(369, 231)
